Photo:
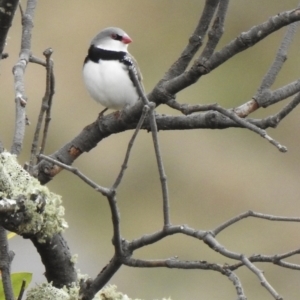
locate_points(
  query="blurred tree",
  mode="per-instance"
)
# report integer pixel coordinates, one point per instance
(31, 210)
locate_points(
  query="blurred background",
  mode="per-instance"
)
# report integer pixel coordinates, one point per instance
(213, 175)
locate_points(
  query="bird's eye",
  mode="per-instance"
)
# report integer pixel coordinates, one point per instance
(117, 37)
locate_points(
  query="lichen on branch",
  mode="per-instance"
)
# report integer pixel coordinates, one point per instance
(43, 209)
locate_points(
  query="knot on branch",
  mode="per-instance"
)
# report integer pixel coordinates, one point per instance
(247, 40)
(264, 97)
(195, 39)
(34, 210)
(160, 95)
(212, 118)
(200, 66)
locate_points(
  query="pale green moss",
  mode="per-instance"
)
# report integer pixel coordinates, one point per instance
(46, 291)
(43, 208)
(74, 258)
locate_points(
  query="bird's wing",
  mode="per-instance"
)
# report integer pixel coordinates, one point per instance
(136, 69)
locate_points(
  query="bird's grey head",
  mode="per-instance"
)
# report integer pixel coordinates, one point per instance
(112, 38)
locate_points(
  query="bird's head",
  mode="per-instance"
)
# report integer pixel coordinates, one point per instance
(112, 38)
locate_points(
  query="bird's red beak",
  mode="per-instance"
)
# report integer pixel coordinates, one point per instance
(126, 39)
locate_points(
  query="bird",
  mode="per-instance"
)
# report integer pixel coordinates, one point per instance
(106, 70)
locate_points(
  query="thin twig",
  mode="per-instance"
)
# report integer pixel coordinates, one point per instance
(117, 239)
(195, 41)
(253, 214)
(37, 60)
(173, 263)
(45, 106)
(216, 31)
(275, 259)
(50, 89)
(251, 127)
(188, 109)
(153, 126)
(22, 290)
(161, 170)
(130, 145)
(237, 284)
(103, 190)
(261, 277)
(277, 118)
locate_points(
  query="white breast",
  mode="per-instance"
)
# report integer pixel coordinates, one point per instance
(109, 84)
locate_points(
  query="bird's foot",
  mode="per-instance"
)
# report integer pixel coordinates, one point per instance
(101, 114)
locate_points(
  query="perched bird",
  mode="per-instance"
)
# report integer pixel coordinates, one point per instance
(105, 70)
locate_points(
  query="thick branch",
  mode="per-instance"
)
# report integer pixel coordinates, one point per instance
(92, 134)
(244, 41)
(5, 260)
(18, 71)
(56, 257)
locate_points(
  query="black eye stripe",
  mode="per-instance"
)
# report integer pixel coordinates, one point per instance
(116, 37)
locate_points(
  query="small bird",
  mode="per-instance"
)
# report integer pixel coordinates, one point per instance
(105, 70)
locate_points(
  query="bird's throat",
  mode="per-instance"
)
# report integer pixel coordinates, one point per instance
(95, 54)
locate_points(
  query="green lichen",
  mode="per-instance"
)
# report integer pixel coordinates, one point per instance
(43, 208)
(47, 291)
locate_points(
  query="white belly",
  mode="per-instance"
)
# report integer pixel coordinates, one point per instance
(109, 84)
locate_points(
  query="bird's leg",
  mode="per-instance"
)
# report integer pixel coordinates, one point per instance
(102, 113)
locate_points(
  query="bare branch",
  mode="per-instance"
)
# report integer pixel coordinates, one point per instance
(130, 145)
(173, 263)
(37, 60)
(153, 126)
(7, 13)
(262, 278)
(251, 127)
(18, 71)
(255, 215)
(277, 118)
(89, 288)
(216, 31)
(50, 89)
(279, 60)
(195, 41)
(244, 41)
(161, 170)
(237, 284)
(22, 290)
(103, 190)
(45, 108)
(188, 109)
(1, 147)
(57, 259)
(6, 257)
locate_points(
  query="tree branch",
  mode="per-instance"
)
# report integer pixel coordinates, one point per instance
(6, 257)
(244, 41)
(56, 257)
(7, 13)
(45, 109)
(195, 41)
(18, 72)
